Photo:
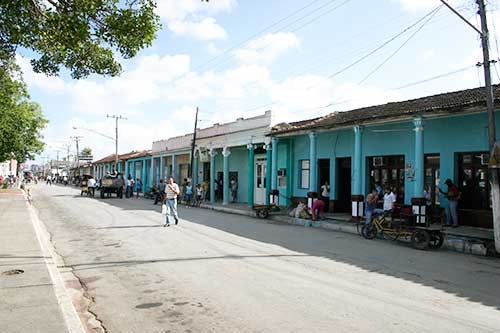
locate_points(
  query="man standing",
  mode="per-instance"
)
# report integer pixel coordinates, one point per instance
(453, 196)
(91, 186)
(171, 193)
(160, 192)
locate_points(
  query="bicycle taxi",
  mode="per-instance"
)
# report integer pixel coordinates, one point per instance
(424, 233)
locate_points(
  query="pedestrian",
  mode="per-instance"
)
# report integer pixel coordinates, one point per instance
(199, 194)
(389, 200)
(318, 209)
(325, 195)
(453, 195)
(138, 185)
(371, 203)
(234, 189)
(188, 193)
(91, 186)
(160, 192)
(216, 189)
(128, 187)
(171, 193)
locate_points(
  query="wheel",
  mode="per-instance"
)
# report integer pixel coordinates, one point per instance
(262, 213)
(369, 231)
(102, 194)
(420, 239)
(436, 240)
(119, 194)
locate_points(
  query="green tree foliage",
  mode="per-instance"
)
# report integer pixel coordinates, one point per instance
(81, 35)
(86, 151)
(20, 119)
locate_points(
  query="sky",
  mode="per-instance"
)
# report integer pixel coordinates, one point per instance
(234, 58)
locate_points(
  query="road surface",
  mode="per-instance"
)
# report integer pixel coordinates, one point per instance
(217, 272)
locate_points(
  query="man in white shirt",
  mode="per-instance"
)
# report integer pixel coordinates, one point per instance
(389, 200)
(171, 192)
(91, 185)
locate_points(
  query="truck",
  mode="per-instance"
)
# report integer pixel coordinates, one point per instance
(112, 184)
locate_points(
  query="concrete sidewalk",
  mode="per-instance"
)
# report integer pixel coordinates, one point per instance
(463, 239)
(27, 292)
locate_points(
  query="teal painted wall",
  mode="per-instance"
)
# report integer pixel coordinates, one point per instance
(238, 162)
(284, 156)
(446, 136)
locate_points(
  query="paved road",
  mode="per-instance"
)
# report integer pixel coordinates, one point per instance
(217, 272)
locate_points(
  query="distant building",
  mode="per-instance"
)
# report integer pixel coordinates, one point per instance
(8, 168)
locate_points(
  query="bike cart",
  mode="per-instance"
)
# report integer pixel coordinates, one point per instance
(262, 211)
(415, 226)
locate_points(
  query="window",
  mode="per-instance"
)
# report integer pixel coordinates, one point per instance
(473, 181)
(304, 167)
(388, 171)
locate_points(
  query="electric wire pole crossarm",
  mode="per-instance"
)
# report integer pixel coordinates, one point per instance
(490, 106)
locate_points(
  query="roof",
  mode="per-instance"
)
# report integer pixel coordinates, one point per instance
(452, 102)
(124, 157)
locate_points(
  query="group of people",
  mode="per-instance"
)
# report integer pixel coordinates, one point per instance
(132, 186)
(388, 200)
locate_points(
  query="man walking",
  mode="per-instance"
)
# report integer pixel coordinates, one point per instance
(453, 195)
(171, 193)
(160, 193)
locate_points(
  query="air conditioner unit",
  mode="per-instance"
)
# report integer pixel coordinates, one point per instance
(281, 172)
(485, 159)
(378, 161)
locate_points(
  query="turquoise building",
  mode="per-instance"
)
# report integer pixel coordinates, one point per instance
(406, 145)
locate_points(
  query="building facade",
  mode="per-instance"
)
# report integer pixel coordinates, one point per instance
(407, 146)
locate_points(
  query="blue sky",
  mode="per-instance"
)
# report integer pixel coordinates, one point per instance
(240, 58)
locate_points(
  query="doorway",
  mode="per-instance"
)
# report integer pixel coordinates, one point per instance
(343, 202)
(260, 180)
(324, 176)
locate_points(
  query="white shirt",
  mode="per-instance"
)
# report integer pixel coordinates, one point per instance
(389, 199)
(172, 193)
(325, 191)
(91, 182)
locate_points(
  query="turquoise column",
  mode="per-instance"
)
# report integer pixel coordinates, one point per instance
(225, 191)
(418, 191)
(144, 175)
(358, 130)
(333, 178)
(158, 171)
(213, 154)
(274, 164)
(251, 173)
(195, 169)
(313, 157)
(268, 173)
(152, 172)
(174, 169)
(161, 173)
(126, 169)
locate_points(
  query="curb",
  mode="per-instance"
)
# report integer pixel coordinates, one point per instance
(461, 244)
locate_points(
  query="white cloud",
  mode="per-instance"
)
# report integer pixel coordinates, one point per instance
(267, 48)
(206, 29)
(192, 17)
(419, 5)
(52, 84)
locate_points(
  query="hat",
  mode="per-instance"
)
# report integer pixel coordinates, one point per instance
(448, 181)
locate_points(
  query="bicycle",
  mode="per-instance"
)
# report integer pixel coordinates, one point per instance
(388, 229)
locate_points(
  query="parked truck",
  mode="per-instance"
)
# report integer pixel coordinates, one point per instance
(112, 184)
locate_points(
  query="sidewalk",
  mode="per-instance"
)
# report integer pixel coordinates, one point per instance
(464, 239)
(28, 299)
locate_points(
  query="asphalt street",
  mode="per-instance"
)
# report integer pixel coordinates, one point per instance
(217, 272)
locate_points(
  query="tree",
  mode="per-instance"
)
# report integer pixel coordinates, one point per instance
(81, 35)
(87, 151)
(21, 120)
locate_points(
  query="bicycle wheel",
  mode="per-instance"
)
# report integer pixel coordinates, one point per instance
(420, 239)
(369, 231)
(436, 240)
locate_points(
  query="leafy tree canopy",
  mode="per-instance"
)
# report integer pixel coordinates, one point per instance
(86, 151)
(80, 35)
(20, 119)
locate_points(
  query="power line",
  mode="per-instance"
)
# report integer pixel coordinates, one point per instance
(433, 78)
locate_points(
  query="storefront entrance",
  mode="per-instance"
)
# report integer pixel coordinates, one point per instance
(475, 202)
(343, 202)
(388, 171)
(260, 180)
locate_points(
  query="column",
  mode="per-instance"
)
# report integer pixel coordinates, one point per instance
(158, 170)
(419, 158)
(194, 181)
(251, 173)
(144, 174)
(358, 130)
(152, 172)
(174, 169)
(126, 170)
(313, 162)
(162, 173)
(213, 154)
(225, 191)
(274, 164)
(268, 172)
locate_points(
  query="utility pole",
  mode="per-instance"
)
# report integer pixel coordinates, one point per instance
(116, 136)
(193, 144)
(490, 106)
(57, 162)
(77, 140)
